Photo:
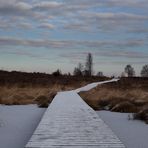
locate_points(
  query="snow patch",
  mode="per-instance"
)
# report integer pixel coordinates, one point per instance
(133, 133)
(17, 124)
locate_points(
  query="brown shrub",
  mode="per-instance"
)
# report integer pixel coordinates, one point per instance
(17, 100)
(103, 104)
(23, 96)
(44, 101)
(92, 103)
(142, 114)
(109, 95)
(125, 107)
(140, 102)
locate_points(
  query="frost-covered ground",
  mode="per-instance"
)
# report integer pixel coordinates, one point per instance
(17, 124)
(133, 133)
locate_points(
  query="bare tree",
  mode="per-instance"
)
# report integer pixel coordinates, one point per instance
(80, 67)
(123, 74)
(100, 74)
(75, 72)
(144, 71)
(129, 70)
(57, 73)
(78, 70)
(89, 65)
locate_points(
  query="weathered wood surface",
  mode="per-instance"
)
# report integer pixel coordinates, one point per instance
(70, 123)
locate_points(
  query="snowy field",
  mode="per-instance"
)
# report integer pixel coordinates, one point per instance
(17, 124)
(133, 133)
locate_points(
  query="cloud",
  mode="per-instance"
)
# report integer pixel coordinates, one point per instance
(78, 15)
(70, 44)
(20, 11)
(138, 30)
(24, 53)
(123, 54)
(106, 21)
(6, 41)
(125, 3)
(114, 43)
(15, 8)
(8, 2)
(77, 26)
(45, 5)
(46, 26)
(107, 3)
(25, 25)
(112, 16)
(108, 54)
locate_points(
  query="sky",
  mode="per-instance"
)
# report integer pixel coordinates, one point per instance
(44, 35)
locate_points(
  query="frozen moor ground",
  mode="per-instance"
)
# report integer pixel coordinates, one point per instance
(18, 123)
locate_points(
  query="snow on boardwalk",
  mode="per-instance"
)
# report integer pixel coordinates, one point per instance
(70, 123)
(92, 85)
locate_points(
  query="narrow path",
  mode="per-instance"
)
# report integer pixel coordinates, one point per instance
(70, 123)
(93, 85)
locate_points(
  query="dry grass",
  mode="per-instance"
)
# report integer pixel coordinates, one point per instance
(37, 94)
(15, 95)
(117, 96)
(107, 98)
(142, 114)
(43, 101)
(20, 88)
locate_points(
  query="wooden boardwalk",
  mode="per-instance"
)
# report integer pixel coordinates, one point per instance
(70, 123)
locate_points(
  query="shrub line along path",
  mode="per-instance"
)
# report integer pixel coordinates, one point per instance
(70, 123)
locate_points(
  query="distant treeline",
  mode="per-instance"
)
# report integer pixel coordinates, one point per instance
(87, 69)
(129, 83)
(34, 79)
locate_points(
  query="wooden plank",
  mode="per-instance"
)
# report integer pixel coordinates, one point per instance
(70, 122)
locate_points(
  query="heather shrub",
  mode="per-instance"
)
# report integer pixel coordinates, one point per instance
(142, 115)
(125, 107)
(44, 101)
